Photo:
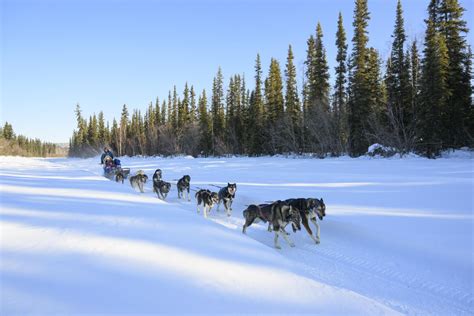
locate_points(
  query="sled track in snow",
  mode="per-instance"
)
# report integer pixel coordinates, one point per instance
(335, 258)
(397, 281)
(337, 262)
(303, 255)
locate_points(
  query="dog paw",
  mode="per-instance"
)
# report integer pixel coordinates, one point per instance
(317, 241)
(292, 245)
(277, 247)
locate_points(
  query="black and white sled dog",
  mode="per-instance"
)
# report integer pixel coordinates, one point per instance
(161, 188)
(309, 209)
(183, 187)
(226, 196)
(119, 176)
(278, 215)
(157, 175)
(139, 180)
(208, 199)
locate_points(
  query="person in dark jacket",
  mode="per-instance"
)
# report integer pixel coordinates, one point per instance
(107, 153)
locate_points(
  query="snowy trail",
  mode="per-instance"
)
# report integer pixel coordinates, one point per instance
(342, 263)
(371, 276)
(397, 232)
(93, 246)
(436, 196)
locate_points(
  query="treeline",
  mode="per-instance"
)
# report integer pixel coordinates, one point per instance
(19, 145)
(418, 100)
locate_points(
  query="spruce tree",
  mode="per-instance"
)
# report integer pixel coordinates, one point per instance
(376, 90)
(217, 108)
(150, 127)
(359, 95)
(256, 113)
(309, 84)
(192, 106)
(245, 118)
(205, 126)
(434, 93)
(169, 111)
(157, 112)
(183, 109)
(454, 29)
(317, 117)
(340, 96)
(292, 102)
(274, 108)
(102, 130)
(92, 133)
(115, 137)
(415, 79)
(142, 139)
(400, 114)
(163, 113)
(320, 90)
(7, 131)
(82, 132)
(239, 86)
(470, 112)
(123, 131)
(233, 104)
(174, 110)
(274, 93)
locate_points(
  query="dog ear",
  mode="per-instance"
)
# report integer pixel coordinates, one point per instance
(322, 200)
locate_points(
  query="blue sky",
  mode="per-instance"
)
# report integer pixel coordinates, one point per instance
(106, 53)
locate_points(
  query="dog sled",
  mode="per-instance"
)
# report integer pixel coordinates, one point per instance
(113, 169)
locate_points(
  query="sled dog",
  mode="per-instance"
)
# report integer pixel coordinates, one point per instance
(208, 199)
(226, 196)
(309, 209)
(278, 215)
(119, 176)
(157, 175)
(161, 188)
(139, 180)
(183, 187)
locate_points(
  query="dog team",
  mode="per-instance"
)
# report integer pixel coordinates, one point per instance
(277, 214)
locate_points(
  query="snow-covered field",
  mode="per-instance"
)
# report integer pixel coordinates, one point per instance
(397, 238)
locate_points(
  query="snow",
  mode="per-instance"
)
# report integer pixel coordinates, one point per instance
(377, 147)
(397, 238)
(463, 153)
